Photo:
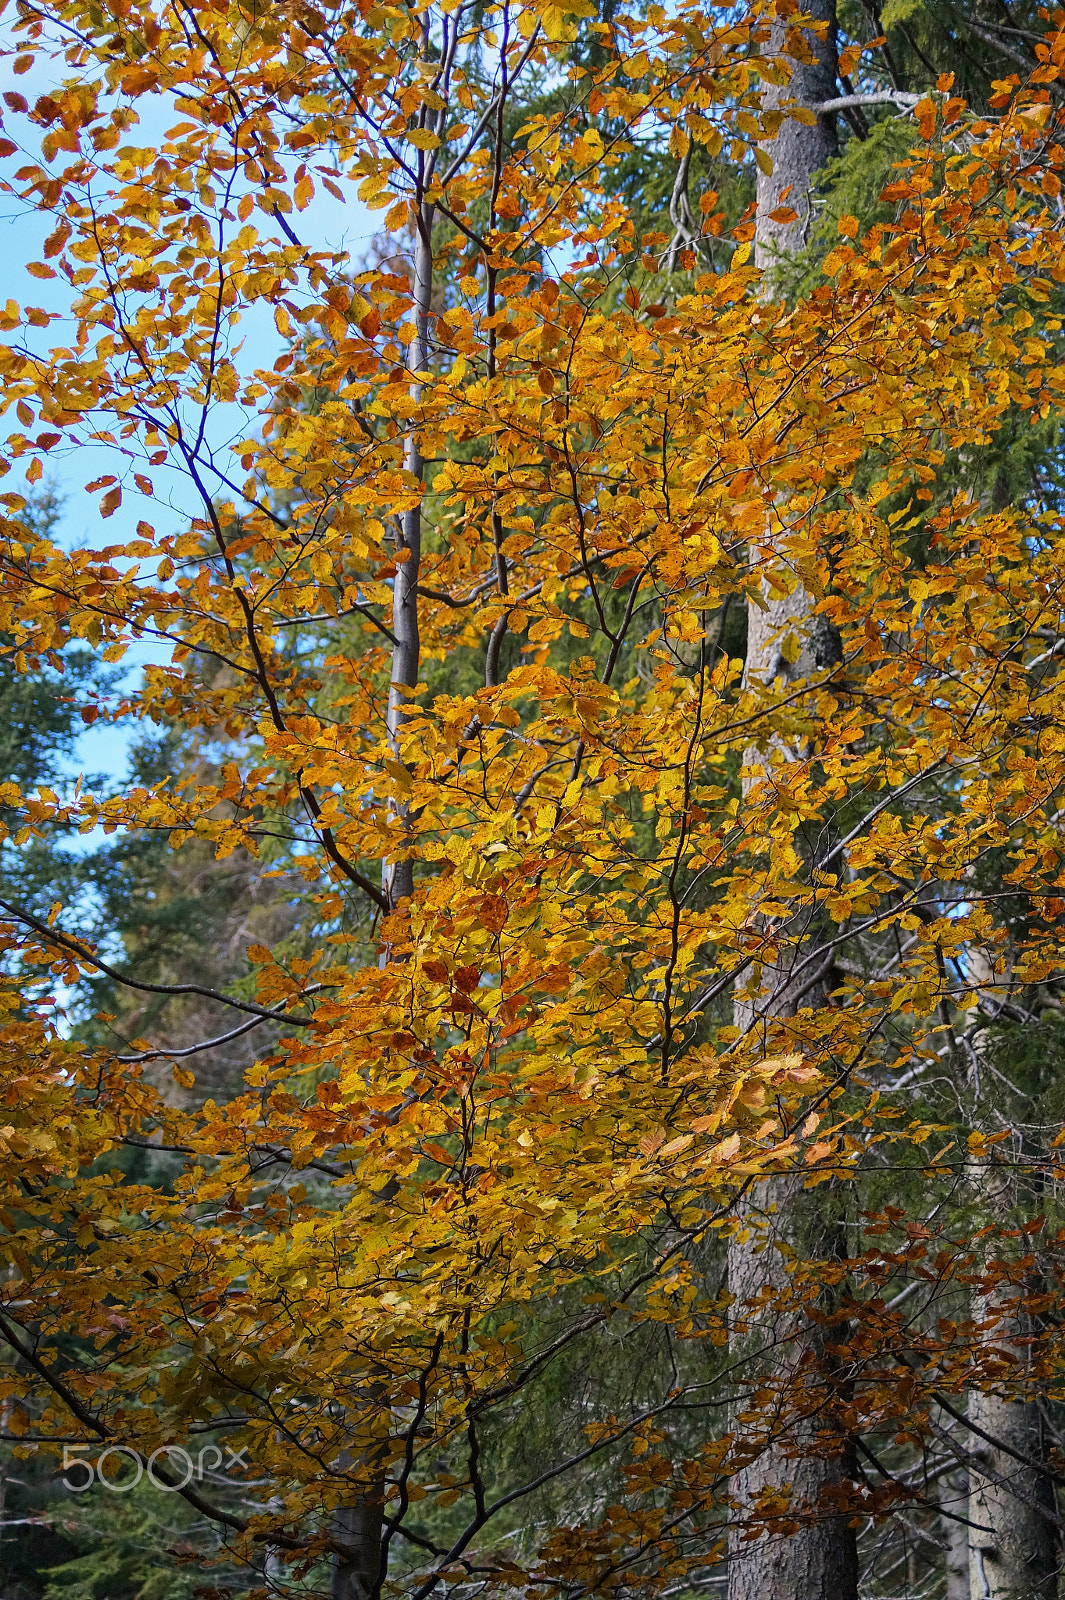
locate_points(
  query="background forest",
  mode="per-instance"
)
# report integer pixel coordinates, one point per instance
(555, 1048)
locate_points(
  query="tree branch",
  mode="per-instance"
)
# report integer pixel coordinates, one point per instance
(75, 948)
(883, 97)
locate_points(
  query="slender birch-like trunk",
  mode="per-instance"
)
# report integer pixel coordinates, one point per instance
(360, 1567)
(956, 1539)
(819, 1562)
(398, 876)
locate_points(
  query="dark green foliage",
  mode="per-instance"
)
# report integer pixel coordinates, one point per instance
(100, 1545)
(979, 41)
(185, 917)
(40, 724)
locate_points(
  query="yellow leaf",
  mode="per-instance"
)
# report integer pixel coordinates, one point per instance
(556, 24)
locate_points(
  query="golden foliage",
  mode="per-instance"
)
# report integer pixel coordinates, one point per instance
(529, 1094)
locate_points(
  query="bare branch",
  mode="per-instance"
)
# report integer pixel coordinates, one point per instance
(75, 948)
(883, 97)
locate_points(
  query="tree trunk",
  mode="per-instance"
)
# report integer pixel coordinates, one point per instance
(957, 1584)
(953, 1500)
(357, 1574)
(397, 877)
(1014, 1550)
(358, 1528)
(819, 1562)
(1018, 1558)
(800, 149)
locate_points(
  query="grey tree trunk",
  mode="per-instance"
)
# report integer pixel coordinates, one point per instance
(1018, 1558)
(800, 149)
(397, 877)
(819, 1562)
(956, 1539)
(1014, 1548)
(357, 1573)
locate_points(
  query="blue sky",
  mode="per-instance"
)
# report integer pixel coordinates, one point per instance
(326, 223)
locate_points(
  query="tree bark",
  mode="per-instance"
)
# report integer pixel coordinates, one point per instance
(397, 877)
(956, 1539)
(357, 1574)
(1014, 1551)
(819, 1561)
(1018, 1558)
(800, 149)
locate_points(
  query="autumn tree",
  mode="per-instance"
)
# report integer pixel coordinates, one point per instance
(501, 1112)
(787, 641)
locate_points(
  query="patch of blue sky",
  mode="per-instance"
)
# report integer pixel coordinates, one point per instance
(253, 343)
